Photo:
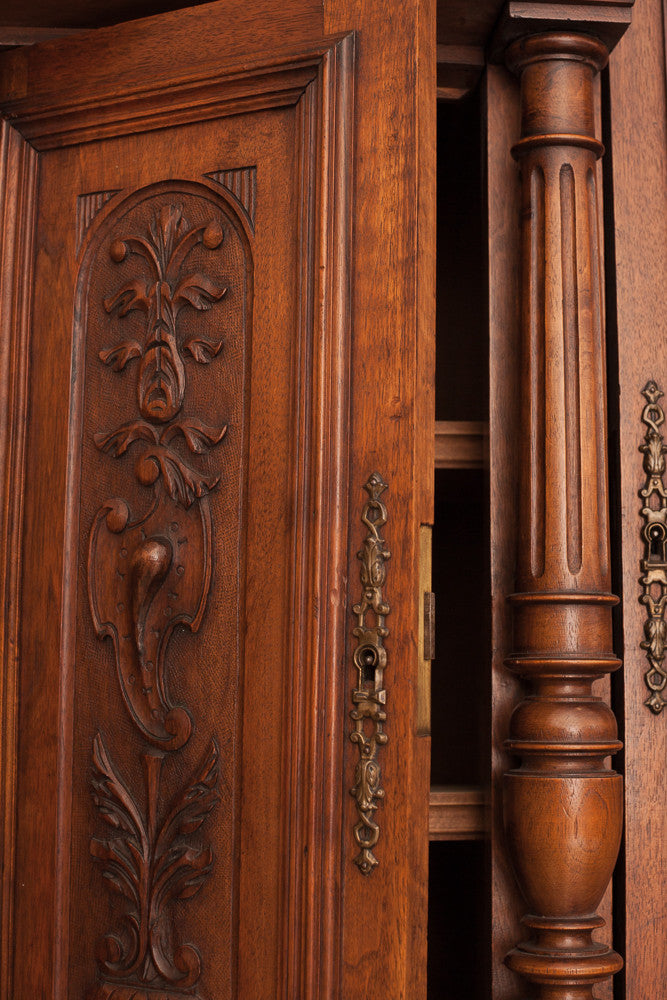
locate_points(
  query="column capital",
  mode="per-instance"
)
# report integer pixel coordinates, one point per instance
(605, 20)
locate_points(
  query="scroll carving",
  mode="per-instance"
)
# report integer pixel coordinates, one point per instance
(370, 659)
(654, 563)
(148, 573)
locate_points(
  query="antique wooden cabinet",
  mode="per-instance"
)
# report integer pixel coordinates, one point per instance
(282, 287)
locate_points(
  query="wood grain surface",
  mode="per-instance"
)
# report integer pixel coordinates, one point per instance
(639, 161)
(562, 804)
(137, 128)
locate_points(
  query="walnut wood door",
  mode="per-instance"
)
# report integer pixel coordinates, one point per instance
(212, 338)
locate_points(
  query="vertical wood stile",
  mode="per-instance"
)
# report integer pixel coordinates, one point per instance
(563, 803)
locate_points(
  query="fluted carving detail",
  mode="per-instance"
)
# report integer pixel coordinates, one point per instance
(563, 804)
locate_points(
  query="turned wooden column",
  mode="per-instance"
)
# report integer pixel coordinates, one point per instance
(563, 804)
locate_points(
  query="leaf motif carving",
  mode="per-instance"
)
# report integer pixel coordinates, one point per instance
(134, 295)
(118, 357)
(111, 795)
(190, 807)
(183, 484)
(117, 442)
(203, 351)
(199, 437)
(199, 291)
(152, 866)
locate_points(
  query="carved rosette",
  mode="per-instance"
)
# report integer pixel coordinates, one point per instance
(149, 572)
(654, 563)
(370, 658)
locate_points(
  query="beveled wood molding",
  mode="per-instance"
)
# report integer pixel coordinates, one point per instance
(52, 122)
(325, 138)
(563, 805)
(18, 174)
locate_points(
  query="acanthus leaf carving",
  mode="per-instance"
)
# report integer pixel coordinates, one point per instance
(151, 863)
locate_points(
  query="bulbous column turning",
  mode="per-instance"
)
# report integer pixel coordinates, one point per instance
(563, 804)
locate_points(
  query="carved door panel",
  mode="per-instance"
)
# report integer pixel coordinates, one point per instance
(184, 504)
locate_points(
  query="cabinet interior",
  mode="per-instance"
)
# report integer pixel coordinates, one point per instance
(461, 676)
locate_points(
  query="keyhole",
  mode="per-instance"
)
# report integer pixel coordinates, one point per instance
(656, 536)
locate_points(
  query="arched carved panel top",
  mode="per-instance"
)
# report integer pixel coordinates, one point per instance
(163, 290)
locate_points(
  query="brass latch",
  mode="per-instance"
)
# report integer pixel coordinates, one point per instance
(426, 634)
(429, 625)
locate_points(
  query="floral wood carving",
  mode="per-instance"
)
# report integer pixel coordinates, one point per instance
(654, 563)
(161, 290)
(148, 574)
(151, 862)
(370, 659)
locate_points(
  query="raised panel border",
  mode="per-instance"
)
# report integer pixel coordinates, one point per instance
(18, 175)
(318, 635)
(50, 122)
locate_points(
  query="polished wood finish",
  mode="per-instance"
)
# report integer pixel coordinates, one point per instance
(457, 813)
(276, 136)
(18, 167)
(461, 23)
(637, 307)
(607, 20)
(460, 444)
(503, 123)
(83, 13)
(392, 358)
(563, 805)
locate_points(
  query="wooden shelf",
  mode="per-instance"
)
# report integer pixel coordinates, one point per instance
(460, 444)
(456, 813)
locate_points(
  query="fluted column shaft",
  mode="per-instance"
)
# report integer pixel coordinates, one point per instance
(563, 804)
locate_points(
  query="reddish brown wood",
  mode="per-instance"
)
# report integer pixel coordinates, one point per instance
(9, 36)
(78, 14)
(132, 125)
(501, 94)
(461, 444)
(462, 23)
(457, 813)
(392, 407)
(459, 69)
(639, 164)
(604, 19)
(18, 164)
(563, 806)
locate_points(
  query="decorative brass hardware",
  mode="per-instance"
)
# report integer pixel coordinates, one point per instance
(370, 659)
(654, 563)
